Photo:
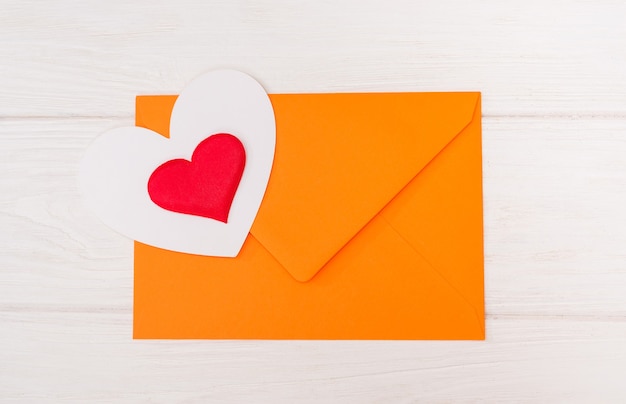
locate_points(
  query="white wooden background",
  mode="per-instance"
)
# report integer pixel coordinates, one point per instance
(553, 77)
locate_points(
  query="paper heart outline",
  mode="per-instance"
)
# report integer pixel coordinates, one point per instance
(117, 165)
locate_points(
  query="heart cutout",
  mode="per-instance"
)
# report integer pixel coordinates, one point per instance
(204, 186)
(119, 168)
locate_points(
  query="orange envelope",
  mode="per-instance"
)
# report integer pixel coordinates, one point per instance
(371, 228)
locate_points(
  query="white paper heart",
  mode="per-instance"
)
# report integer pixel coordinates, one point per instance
(116, 167)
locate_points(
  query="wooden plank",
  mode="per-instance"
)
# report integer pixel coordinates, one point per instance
(554, 200)
(554, 237)
(89, 357)
(54, 250)
(538, 57)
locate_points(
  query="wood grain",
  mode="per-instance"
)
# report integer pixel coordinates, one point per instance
(68, 58)
(554, 86)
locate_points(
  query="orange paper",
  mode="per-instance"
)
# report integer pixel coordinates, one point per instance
(371, 228)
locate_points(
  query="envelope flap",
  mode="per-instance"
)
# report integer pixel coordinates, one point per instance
(340, 158)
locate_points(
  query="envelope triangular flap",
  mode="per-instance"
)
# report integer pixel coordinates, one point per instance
(340, 158)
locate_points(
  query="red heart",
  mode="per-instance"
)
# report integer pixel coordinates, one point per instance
(204, 186)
